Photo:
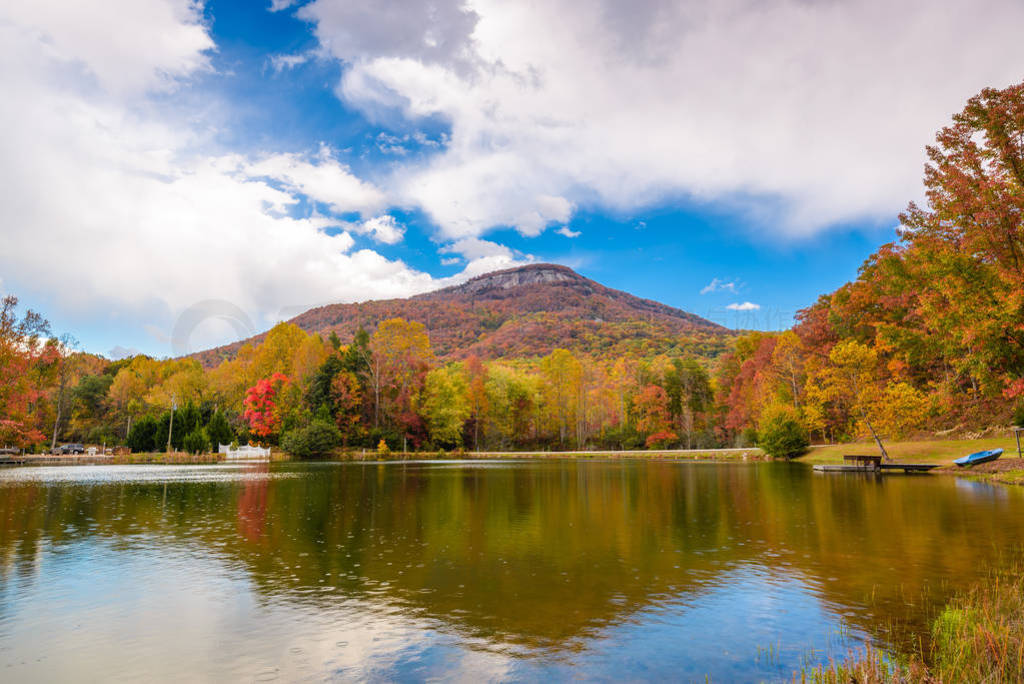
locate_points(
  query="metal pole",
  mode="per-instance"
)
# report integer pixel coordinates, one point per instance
(170, 427)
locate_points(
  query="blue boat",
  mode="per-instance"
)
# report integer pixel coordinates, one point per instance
(979, 457)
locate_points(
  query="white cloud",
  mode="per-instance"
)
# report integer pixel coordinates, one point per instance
(805, 114)
(745, 306)
(324, 180)
(438, 31)
(281, 63)
(475, 248)
(383, 229)
(483, 256)
(127, 46)
(564, 230)
(119, 197)
(721, 285)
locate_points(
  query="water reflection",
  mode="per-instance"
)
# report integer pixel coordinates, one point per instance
(409, 570)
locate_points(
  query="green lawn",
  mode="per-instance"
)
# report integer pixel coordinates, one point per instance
(935, 451)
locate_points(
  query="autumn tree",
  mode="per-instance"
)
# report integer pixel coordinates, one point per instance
(21, 346)
(401, 356)
(126, 392)
(61, 358)
(476, 394)
(653, 419)
(788, 366)
(562, 374)
(346, 401)
(261, 411)
(513, 399)
(689, 395)
(901, 409)
(851, 380)
(445, 405)
(969, 238)
(277, 352)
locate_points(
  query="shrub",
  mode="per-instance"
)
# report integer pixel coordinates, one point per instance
(382, 448)
(218, 430)
(196, 442)
(142, 437)
(661, 439)
(781, 434)
(315, 440)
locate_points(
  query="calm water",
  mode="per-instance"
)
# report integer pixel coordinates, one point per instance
(526, 570)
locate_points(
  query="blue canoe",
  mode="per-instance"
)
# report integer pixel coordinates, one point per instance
(979, 457)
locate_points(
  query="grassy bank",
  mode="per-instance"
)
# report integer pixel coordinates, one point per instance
(941, 452)
(978, 637)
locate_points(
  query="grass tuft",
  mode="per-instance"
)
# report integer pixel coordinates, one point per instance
(978, 637)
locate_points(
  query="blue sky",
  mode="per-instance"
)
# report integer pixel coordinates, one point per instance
(253, 159)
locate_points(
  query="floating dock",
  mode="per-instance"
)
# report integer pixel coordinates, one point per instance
(845, 469)
(877, 470)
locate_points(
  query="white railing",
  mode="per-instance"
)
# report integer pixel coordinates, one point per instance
(245, 453)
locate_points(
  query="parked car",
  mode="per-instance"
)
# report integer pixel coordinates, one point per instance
(70, 449)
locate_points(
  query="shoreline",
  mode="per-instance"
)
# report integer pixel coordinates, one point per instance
(1007, 470)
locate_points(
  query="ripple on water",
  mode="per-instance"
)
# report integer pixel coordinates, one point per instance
(117, 474)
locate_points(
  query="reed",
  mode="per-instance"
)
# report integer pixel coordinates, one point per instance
(977, 637)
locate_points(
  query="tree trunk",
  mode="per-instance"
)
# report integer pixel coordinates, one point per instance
(56, 423)
(60, 408)
(170, 429)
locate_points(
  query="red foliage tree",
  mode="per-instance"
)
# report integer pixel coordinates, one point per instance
(22, 360)
(260, 407)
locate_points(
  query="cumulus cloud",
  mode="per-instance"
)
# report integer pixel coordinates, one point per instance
(126, 46)
(122, 202)
(745, 306)
(567, 232)
(805, 114)
(324, 180)
(475, 248)
(429, 32)
(383, 229)
(483, 256)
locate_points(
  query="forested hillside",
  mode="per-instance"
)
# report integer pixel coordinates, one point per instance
(928, 337)
(524, 312)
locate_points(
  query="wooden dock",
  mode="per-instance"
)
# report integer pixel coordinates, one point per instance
(859, 463)
(908, 467)
(845, 468)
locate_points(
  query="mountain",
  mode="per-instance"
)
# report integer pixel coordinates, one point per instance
(524, 312)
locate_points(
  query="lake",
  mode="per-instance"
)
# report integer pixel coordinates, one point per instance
(600, 570)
